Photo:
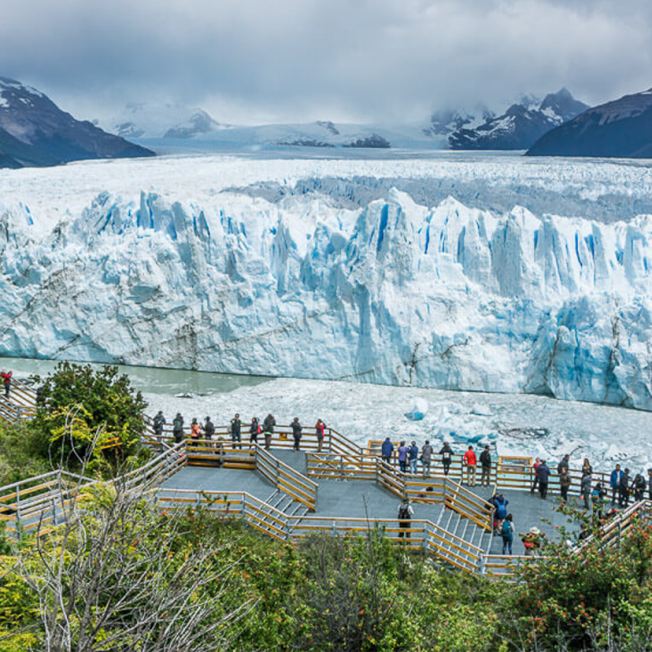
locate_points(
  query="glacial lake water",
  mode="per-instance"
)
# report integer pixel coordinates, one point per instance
(515, 424)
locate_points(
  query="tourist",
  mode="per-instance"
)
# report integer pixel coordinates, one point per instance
(159, 422)
(296, 433)
(532, 541)
(535, 482)
(6, 379)
(236, 431)
(177, 428)
(597, 498)
(564, 464)
(614, 481)
(209, 428)
(195, 429)
(623, 489)
(471, 462)
(402, 457)
(586, 467)
(386, 450)
(320, 428)
(426, 457)
(585, 488)
(564, 483)
(413, 455)
(485, 461)
(638, 487)
(649, 483)
(543, 476)
(446, 457)
(254, 430)
(268, 430)
(500, 503)
(405, 513)
(507, 533)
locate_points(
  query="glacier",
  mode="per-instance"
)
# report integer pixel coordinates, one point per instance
(175, 263)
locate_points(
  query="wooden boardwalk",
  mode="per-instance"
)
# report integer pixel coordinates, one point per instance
(290, 494)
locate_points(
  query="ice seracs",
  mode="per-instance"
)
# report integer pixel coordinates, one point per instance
(393, 291)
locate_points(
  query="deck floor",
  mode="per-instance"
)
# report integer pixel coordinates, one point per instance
(365, 499)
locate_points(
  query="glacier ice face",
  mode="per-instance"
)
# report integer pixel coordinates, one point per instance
(393, 292)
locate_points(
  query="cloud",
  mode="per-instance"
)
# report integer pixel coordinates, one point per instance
(302, 59)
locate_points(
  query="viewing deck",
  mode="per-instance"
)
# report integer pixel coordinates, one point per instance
(343, 489)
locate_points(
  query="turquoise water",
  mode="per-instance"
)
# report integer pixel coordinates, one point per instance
(149, 379)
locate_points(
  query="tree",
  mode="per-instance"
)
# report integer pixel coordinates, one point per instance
(78, 399)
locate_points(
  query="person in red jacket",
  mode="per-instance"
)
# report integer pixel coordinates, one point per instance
(6, 379)
(319, 429)
(471, 462)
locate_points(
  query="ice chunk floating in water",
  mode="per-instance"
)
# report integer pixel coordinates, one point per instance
(392, 291)
(417, 410)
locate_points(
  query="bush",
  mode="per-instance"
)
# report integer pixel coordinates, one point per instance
(80, 400)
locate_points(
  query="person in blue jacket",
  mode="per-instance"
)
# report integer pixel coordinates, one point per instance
(501, 510)
(414, 457)
(614, 481)
(386, 450)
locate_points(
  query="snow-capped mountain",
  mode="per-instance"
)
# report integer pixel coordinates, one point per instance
(445, 122)
(35, 132)
(521, 124)
(182, 263)
(319, 134)
(145, 121)
(621, 128)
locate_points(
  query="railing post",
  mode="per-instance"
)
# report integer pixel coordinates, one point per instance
(341, 468)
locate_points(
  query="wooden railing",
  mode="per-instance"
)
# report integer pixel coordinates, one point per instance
(420, 535)
(504, 566)
(29, 503)
(422, 489)
(286, 479)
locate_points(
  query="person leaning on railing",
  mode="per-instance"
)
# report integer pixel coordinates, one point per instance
(177, 428)
(446, 453)
(268, 430)
(485, 461)
(426, 457)
(320, 428)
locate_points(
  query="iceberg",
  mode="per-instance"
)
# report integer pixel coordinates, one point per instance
(393, 292)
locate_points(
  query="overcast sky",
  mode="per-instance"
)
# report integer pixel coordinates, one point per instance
(250, 61)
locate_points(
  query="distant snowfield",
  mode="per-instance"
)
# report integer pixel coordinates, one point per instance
(448, 270)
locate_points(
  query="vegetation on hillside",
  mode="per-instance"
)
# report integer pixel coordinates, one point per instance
(122, 574)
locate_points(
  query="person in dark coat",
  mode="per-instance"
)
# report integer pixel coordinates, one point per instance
(209, 428)
(296, 433)
(564, 484)
(236, 431)
(585, 488)
(268, 430)
(623, 489)
(446, 453)
(564, 464)
(177, 428)
(159, 422)
(614, 481)
(485, 462)
(649, 483)
(254, 430)
(638, 487)
(543, 475)
(386, 450)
